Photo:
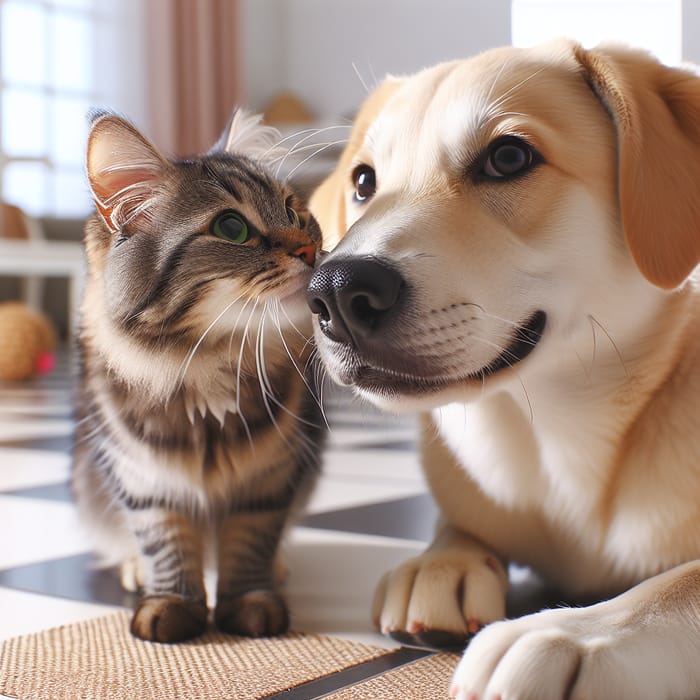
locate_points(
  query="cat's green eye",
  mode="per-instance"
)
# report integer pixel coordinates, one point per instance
(293, 217)
(231, 227)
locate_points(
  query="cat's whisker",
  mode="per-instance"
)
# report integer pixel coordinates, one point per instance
(262, 374)
(233, 334)
(302, 132)
(310, 358)
(308, 158)
(281, 307)
(300, 372)
(182, 371)
(320, 375)
(304, 140)
(308, 342)
(308, 147)
(241, 352)
(239, 411)
(266, 385)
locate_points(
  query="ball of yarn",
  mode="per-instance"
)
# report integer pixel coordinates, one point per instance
(26, 337)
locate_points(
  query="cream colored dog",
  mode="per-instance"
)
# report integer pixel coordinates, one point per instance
(522, 231)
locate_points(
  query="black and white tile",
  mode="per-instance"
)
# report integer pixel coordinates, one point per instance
(369, 512)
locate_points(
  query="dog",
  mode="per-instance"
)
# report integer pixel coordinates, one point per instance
(514, 238)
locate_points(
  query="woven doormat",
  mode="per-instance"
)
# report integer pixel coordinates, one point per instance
(426, 679)
(99, 659)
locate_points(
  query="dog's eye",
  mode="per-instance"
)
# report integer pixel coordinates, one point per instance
(365, 182)
(507, 157)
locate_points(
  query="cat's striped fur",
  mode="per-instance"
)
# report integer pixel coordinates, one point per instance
(198, 431)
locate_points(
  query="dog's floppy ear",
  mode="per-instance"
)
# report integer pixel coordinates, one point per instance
(328, 200)
(656, 110)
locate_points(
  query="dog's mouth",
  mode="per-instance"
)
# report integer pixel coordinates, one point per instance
(385, 381)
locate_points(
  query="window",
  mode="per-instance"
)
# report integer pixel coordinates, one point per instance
(58, 59)
(652, 24)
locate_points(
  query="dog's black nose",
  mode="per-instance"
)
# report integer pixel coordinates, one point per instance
(353, 296)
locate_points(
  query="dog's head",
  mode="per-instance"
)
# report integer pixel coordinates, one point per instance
(501, 205)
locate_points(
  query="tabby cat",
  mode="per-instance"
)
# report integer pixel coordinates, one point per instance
(198, 429)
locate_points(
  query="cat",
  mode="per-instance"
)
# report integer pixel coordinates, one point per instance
(197, 421)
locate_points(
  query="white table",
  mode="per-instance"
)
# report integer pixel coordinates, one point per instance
(42, 258)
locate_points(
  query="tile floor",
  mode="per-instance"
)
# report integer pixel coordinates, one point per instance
(369, 512)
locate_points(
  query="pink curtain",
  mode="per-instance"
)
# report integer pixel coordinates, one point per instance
(194, 78)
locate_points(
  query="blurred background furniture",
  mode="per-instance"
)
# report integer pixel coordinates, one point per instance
(27, 254)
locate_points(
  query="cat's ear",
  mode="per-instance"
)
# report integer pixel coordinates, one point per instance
(246, 134)
(124, 170)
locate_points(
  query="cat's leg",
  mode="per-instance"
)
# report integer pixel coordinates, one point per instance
(248, 602)
(173, 607)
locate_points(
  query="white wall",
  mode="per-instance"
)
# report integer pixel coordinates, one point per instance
(655, 25)
(691, 31)
(262, 53)
(120, 54)
(310, 46)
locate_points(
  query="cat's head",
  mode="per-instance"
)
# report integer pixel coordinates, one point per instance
(178, 245)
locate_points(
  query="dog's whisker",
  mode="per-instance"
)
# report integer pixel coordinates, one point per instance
(375, 80)
(594, 320)
(493, 110)
(514, 88)
(506, 356)
(360, 78)
(492, 116)
(527, 397)
(586, 370)
(487, 99)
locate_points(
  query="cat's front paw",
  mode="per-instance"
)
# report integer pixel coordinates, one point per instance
(169, 618)
(254, 614)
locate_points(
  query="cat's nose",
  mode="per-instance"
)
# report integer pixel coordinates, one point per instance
(307, 253)
(354, 297)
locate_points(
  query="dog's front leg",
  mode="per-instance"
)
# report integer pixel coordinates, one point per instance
(443, 596)
(642, 645)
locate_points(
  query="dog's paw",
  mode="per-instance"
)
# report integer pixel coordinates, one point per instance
(565, 654)
(441, 598)
(169, 618)
(254, 614)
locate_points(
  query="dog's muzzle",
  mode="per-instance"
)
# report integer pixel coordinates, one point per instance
(354, 298)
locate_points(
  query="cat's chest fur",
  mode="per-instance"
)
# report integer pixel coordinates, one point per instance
(211, 432)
